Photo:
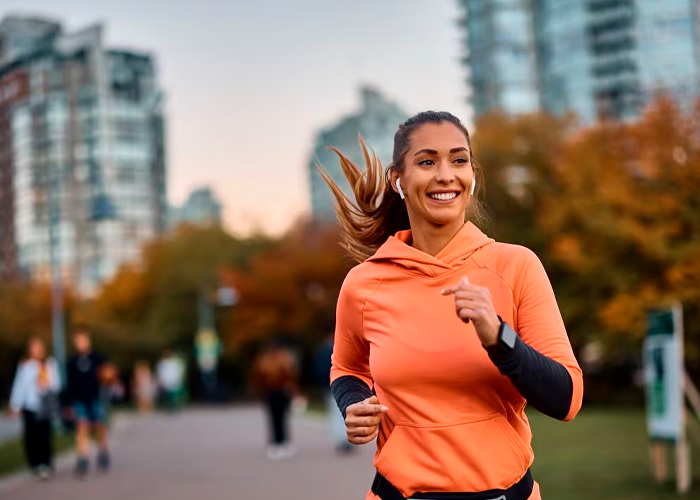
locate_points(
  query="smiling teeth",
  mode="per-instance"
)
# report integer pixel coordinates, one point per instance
(443, 196)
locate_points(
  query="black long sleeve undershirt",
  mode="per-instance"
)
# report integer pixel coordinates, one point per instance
(543, 382)
(348, 390)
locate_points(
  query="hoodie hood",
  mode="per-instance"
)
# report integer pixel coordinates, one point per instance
(398, 250)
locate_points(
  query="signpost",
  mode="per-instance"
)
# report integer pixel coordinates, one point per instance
(206, 343)
(665, 381)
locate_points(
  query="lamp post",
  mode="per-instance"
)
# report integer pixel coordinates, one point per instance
(57, 319)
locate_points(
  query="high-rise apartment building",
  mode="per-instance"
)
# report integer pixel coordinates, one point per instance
(82, 152)
(597, 58)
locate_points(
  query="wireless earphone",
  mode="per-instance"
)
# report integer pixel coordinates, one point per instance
(398, 187)
(471, 193)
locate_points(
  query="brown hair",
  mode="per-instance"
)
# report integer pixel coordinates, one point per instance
(378, 211)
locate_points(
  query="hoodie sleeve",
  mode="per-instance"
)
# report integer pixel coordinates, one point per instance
(540, 326)
(351, 380)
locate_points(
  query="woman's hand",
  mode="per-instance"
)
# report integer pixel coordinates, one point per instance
(473, 303)
(362, 420)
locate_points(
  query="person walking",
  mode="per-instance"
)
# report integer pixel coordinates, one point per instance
(34, 397)
(275, 380)
(443, 335)
(171, 380)
(144, 387)
(85, 396)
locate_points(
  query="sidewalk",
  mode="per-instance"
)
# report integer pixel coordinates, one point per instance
(210, 454)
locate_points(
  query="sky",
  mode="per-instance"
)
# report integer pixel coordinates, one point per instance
(248, 84)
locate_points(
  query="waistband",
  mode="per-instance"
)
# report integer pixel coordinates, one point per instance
(519, 491)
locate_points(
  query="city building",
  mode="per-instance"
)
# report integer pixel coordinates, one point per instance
(501, 57)
(202, 207)
(82, 153)
(377, 121)
(601, 59)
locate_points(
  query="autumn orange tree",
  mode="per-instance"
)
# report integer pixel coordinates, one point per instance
(287, 287)
(624, 219)
(611, 209)
(291, 289)
(151, 304)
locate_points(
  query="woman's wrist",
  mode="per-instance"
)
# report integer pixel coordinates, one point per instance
(489, 337)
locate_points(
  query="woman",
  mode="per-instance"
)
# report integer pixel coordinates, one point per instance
(443, 335)
(143, 387)
(34, 394)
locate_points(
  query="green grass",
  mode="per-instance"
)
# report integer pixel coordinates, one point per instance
(12, 454)
(601, 455)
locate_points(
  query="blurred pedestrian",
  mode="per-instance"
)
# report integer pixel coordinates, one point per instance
(275, 380)
(171, 379)
(443, 335)
(34, 396)
(84, 394)
(144, 387)
(322, 369)
(111, 387)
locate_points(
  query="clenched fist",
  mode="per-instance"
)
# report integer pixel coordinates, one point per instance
(473, 303)
(362, 420)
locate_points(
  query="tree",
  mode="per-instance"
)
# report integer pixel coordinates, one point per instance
(151, 305)
(290, 290)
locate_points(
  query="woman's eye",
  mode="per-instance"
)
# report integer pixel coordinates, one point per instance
(426, 162)
(461, 160)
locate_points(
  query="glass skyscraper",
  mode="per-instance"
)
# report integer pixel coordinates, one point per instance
(501, 55)
(81, 151)
(597, 58)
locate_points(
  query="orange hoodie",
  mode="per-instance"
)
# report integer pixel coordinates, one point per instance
(454, 424)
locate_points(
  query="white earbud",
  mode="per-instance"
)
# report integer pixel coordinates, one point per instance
(398, 187)
(471, 193)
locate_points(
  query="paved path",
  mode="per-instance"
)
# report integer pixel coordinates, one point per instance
(209, 455)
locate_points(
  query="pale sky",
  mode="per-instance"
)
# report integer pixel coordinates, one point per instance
(248, 84)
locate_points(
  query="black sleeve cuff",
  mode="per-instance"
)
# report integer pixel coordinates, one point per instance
(545, 384)
(349, 390)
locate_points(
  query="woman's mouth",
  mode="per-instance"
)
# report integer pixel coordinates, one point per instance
(447, 196)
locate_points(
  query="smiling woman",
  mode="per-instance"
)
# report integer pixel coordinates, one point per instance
(442, 334)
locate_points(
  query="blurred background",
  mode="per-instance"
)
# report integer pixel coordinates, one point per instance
(158, 186)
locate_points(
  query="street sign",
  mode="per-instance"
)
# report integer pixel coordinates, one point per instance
(666, 383)
(663, 376)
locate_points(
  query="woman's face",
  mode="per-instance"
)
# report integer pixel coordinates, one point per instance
(37, 349)
(437, 175)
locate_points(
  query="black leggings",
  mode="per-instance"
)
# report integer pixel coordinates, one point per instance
(277, 403)
(38, 440)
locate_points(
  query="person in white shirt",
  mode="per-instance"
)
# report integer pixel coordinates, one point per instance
(35, 397)
(171, 374)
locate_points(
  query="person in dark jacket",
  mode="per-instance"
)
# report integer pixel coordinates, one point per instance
(83, 394)
(275, 379)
